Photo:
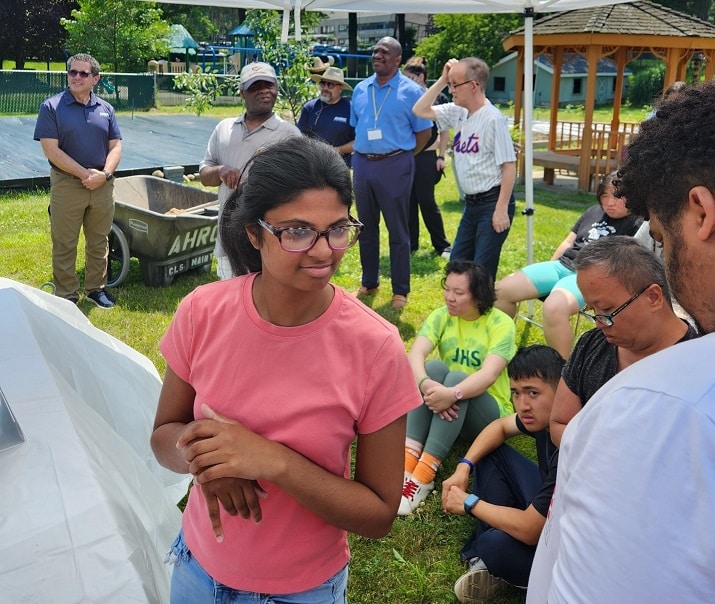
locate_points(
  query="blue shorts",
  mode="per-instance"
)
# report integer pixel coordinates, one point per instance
(191, 584)
(547, 276)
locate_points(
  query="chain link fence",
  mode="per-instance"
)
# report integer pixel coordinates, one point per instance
(23, 91)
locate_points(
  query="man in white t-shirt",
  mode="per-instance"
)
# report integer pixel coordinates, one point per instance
(484, 159)
(632, 518)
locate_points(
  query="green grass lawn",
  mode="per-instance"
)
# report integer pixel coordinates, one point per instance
(418, 562)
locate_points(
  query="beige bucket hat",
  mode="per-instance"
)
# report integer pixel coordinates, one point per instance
(332, 74)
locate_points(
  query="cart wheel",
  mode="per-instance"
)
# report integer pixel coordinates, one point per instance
(118, 260)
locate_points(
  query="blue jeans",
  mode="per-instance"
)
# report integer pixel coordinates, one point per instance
(476, 239)
(191, 584)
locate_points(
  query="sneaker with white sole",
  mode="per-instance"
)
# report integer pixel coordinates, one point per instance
(413, 494)
(100, 299)
(477, 585)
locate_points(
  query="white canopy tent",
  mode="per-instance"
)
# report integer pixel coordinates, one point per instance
(87, 514)
(526, 7)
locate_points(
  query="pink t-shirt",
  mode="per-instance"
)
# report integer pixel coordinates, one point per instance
(312, 388)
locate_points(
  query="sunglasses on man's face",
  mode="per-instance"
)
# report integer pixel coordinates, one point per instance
(83, 74)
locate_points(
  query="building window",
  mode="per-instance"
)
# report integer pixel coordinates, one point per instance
(343, 27)
(499, 84)
(577, 86)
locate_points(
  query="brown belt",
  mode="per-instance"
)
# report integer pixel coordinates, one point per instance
(377, 156)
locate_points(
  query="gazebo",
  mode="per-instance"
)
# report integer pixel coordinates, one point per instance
(622, 32)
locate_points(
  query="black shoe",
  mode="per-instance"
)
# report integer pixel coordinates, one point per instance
(101, 299)
(73, 299)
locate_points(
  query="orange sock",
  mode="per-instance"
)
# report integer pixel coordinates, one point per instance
(426, 469)
(412, 456)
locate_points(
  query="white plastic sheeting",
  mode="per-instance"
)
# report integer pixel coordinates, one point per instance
(86, 513)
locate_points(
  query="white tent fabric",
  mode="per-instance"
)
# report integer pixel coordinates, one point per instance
(525, 7)
(86, 513)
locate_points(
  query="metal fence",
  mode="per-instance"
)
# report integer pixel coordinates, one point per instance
(23, 91)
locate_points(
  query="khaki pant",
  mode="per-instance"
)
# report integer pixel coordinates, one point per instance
(73, 207)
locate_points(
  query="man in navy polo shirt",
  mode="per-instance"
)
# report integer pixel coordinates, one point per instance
(80, 137)
(387, 136)
(328, 116)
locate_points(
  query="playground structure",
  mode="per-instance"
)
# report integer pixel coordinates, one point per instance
(228, 60)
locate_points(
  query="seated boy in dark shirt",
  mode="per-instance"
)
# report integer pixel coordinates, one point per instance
(511, 493)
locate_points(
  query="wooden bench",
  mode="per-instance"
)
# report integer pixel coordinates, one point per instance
(564, 153)
(553, 160)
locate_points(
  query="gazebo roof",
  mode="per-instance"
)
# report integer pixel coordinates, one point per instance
(631, 18)
(637, 25)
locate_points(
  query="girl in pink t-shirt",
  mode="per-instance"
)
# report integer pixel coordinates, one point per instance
(270, 378)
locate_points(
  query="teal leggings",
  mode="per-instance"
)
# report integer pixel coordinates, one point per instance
(437, 434)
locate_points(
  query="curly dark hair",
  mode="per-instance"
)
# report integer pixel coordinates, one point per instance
(277, 176)
(673, 152)
(481, 284)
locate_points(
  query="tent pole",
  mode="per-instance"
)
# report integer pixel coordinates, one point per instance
(529, 129)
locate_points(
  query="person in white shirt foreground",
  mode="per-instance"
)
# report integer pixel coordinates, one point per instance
(632, 515)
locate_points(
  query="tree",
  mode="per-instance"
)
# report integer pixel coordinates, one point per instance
(121, 34)
(697, 8)
(206, 23)
(474, 35)
(290, 60)
(30, 29)
(352, 43)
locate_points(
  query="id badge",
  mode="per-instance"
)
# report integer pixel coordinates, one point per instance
(374, 135)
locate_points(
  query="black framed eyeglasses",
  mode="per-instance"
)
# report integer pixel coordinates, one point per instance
(607, 319)
(328, 85)
(83, 74)
(455, 86)
(302, 239)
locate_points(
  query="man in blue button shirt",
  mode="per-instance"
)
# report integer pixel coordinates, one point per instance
(387, 136)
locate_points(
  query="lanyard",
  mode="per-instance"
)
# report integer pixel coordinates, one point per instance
(375, 109)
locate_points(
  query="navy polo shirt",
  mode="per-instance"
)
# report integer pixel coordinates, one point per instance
(83, 131)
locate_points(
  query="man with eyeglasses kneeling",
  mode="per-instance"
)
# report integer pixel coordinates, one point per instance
(80, 137)
(328, 116)
(628, 299)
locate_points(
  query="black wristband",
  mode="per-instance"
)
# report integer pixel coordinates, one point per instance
(440, 157)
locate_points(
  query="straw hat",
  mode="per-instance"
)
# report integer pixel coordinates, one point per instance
(319, 66)
(332, 74)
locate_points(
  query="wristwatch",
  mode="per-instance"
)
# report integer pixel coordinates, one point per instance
(469, 503)
(109, 175)
(458, 394)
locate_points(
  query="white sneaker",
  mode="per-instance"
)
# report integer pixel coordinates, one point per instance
(413, 494)
(477, 585)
